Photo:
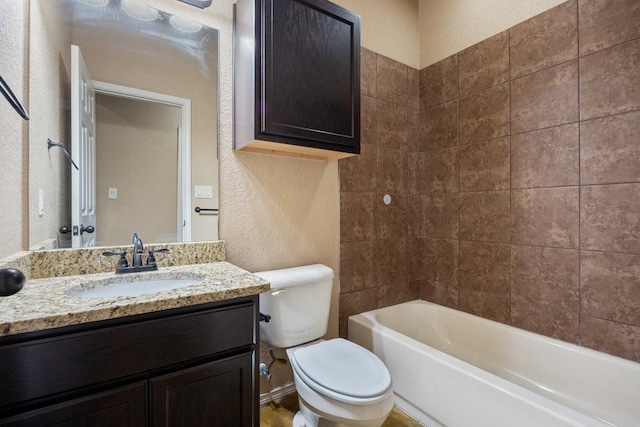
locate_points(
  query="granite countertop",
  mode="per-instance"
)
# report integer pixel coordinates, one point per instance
(50, 303)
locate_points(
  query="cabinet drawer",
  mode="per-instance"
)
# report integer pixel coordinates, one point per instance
(122, 407)
(42, 367)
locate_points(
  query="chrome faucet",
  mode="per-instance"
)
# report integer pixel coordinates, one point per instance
(138, 250)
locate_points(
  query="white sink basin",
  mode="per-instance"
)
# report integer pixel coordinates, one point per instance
(110, 289)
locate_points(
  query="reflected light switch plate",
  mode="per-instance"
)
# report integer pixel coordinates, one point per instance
(204, 192)
(40, 202)
(113, 193)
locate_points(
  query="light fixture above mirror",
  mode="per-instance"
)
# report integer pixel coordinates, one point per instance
(198, 3)
(95, 3)
(139, 11)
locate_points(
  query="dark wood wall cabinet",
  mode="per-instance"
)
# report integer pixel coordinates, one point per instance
(191, 367)
(297, 78)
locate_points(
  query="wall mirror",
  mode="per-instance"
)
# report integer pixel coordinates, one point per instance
(151, 86)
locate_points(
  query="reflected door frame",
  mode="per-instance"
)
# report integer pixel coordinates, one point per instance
(184, 145)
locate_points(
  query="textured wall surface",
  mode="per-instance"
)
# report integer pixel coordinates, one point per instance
(49, 93)
(448, 26)
(13, 69)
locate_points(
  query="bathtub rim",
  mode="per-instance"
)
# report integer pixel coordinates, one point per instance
(370, 321)
(533, 335)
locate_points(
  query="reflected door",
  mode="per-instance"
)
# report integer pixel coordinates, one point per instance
(83, 130)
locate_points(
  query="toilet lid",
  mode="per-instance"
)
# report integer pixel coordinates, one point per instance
(344, 367)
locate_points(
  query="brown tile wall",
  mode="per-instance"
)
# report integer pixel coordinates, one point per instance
(528, 177)
(374, 248)
(514, 168)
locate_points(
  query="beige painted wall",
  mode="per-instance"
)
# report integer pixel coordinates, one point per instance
(129, 134)
(49, 91)
(13, 130)
(391, 28)
(448, 26)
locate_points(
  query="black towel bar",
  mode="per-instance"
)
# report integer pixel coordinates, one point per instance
(198, 209)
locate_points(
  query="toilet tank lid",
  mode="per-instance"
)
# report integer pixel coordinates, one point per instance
(296, 276)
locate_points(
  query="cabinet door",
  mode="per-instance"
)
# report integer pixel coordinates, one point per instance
(122, 407)
(216, 394)
(310, 74)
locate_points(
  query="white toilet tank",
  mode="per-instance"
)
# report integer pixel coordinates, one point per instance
(298, 303)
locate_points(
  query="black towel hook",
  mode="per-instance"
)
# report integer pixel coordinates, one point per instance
(50, 144)
(13, 100)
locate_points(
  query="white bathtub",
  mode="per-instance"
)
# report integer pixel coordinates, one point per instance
(454, 369)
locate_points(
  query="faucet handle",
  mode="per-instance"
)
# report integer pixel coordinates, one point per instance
(151, 260)
(122, 262)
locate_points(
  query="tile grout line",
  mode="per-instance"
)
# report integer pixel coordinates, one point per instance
(579, 183)
(602, 49)
(552, 187)
(375, 211)
(458, 192)
(510, 183)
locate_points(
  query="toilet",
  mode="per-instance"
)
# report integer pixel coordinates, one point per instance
(338, 382)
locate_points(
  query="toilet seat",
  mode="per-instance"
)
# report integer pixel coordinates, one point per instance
(343, 371)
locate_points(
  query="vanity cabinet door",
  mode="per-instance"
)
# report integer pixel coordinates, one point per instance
(216, 394)
(122, 407)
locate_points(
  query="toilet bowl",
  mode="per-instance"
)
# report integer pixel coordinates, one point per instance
(339, 383)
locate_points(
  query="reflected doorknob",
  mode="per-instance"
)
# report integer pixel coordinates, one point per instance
(90, 229)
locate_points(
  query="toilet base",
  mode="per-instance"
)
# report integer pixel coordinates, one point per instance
(305, 417)
(300, 421)
(318, 410)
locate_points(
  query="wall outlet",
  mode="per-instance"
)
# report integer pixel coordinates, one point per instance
(113, 193)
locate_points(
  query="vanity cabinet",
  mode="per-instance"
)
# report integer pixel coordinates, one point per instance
(297, 78)
(193, 366)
